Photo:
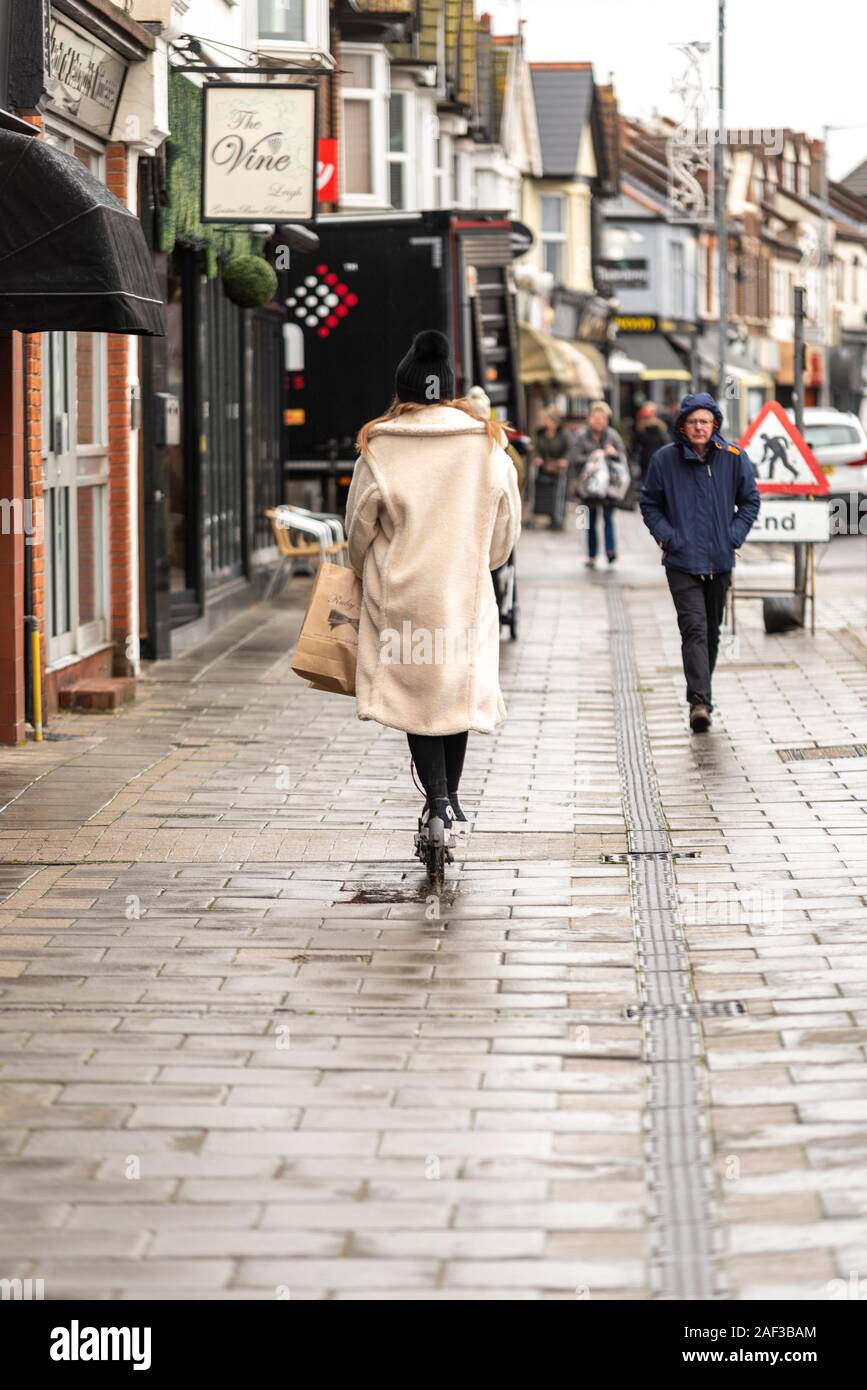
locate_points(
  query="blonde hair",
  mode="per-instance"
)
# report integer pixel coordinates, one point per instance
(600, 405)
(398, 408)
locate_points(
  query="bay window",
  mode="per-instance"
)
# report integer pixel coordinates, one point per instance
(400, 110)
(553, 233)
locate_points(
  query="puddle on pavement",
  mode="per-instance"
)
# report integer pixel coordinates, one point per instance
(415, 890)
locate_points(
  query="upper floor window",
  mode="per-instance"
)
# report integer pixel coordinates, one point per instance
(283, 19)
(364, 92)
(553, 232)
(789, 175)
(399, 141)
(487, 189)
(442, 166)
(677, 266)
(804, 180)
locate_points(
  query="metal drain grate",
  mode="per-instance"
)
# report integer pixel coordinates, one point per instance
(686, 1240)
(835, 750)
(631, 854)
(728, 1008)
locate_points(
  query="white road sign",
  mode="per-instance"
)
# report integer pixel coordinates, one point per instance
(782, 519)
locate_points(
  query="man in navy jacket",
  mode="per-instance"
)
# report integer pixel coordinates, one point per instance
(699, 501)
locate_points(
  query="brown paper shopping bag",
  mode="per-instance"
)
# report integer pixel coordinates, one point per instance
(327, 648)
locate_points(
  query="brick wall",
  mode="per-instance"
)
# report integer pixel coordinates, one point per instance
(11, 541)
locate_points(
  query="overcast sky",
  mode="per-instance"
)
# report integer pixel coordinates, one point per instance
(800, 64)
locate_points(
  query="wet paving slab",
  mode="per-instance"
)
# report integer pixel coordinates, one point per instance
(243, 1048)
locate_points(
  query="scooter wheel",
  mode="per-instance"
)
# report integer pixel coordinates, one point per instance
(436, 867)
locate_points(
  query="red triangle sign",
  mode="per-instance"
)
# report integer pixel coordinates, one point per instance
(781, 457)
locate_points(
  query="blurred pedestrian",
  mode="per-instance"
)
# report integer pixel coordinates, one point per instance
(553, 448)
(598, 437)
(650, 434)
(699, 501)
(433, 504)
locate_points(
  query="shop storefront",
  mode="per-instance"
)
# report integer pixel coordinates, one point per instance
(76, 279)
(212, 404)
(652, 360)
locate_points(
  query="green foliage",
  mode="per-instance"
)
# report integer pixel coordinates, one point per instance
(179, 219)
(249, 281)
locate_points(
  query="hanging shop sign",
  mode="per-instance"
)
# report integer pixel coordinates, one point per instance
(622, 274)
(85, 80)
(259, 152)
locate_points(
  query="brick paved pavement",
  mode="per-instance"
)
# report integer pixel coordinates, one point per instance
(242, 1058)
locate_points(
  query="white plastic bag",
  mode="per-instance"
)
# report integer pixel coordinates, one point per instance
(594, 479)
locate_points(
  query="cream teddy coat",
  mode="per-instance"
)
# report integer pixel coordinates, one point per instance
(432, 509)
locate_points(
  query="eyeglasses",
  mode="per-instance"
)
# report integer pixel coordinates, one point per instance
(693, 421)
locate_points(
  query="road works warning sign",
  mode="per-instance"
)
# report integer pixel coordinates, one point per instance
(782, 460)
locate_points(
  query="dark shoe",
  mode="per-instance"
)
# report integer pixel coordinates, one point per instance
(699, 719)
(439, 821)
(612, 557)
(457, 819)
(461, 824)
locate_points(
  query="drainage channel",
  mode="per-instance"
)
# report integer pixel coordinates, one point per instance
(685, 1237)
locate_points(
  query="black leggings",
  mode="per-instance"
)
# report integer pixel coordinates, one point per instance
(439, 760)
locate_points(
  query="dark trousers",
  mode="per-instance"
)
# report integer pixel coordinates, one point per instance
(700, 603)
(592, 530)
(439, 760)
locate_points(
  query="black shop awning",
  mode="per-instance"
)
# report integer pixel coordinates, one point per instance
(72, 256)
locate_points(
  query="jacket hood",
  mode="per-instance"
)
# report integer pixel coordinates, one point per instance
(700, 401)
(430, 420)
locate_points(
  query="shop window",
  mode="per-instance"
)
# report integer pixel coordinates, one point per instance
(75, 452)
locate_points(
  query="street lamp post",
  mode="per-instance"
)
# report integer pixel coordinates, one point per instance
(722, 231)
(825, 262)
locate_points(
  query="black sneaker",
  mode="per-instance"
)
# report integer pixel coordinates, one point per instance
(456, 821)
(438, 820)
(612, 557)
(461, 824)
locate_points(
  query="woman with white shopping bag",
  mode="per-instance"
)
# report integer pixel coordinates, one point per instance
(603, 477)
(433, 507)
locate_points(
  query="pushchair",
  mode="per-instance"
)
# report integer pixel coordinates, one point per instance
(506, 590)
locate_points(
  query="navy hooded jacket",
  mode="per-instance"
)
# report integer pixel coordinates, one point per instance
(700, 510)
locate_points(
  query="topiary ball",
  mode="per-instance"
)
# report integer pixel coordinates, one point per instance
(249, 281)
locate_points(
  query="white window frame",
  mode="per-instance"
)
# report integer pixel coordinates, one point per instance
(484, 172)
(550, 238)
(442, 169)
(315, 30)
(377, 98)
(407, 156)
(677, 284)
